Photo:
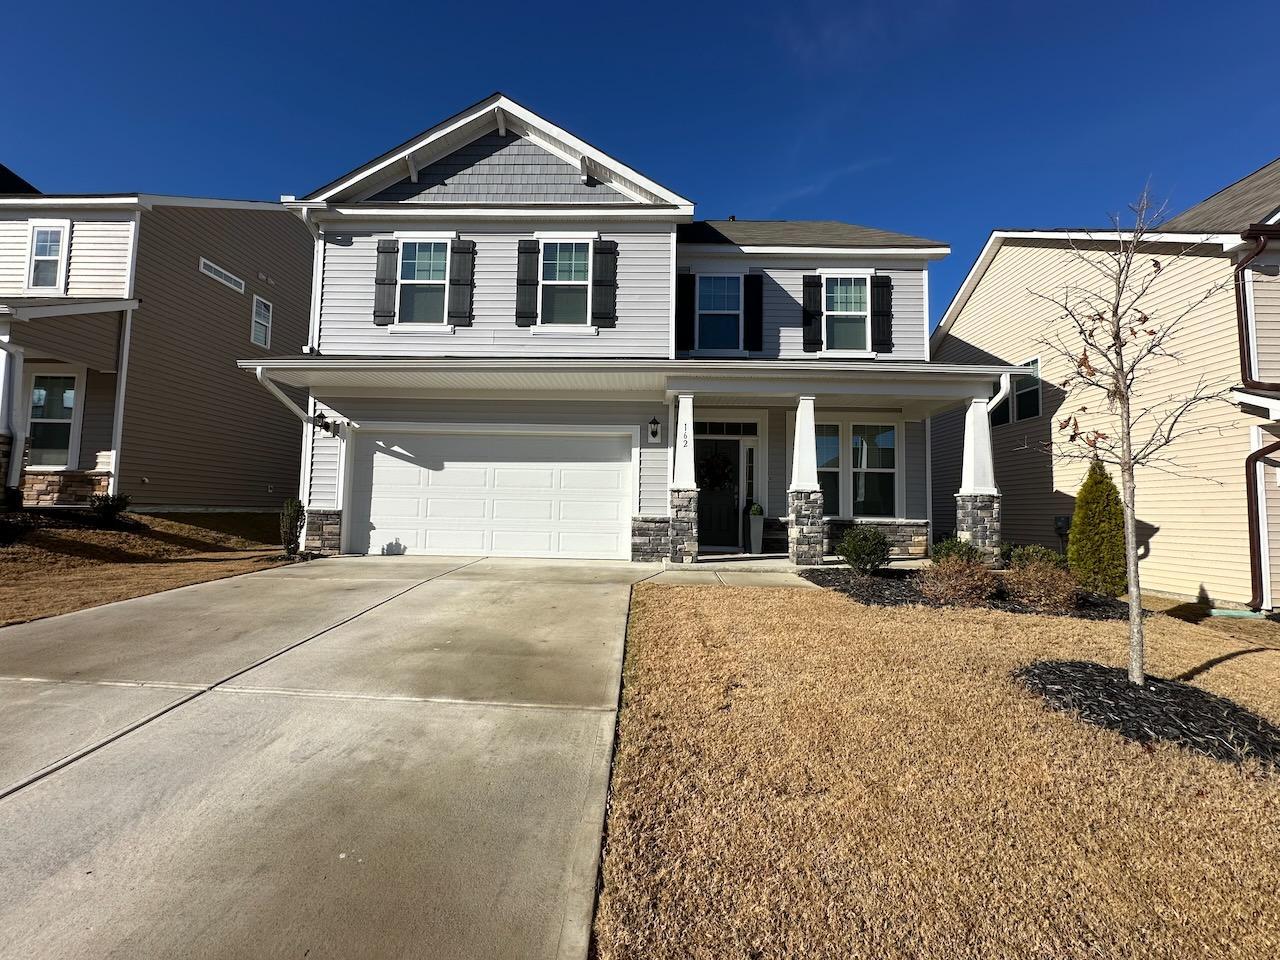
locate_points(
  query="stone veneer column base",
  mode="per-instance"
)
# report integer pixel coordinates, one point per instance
(62, 488)
(805, 529)
(323, 533)
(978, 521)
(650, 538)
(684, 526)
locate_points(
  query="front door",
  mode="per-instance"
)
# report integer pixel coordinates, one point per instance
(716, 469)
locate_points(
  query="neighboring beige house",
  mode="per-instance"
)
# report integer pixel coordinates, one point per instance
(121, 317)
(1195, 523)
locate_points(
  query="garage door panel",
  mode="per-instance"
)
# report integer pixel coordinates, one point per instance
(538, 495)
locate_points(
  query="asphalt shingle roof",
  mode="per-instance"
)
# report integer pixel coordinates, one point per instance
(795, 233)
(1251, 200)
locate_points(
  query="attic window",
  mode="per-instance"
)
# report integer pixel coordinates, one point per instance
(210, 269)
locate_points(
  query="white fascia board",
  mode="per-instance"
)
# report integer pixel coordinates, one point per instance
(122, 202)
(922, 253)
(565, 212)
(70, 309)
(1269, 404)
(528, 118)
(164, 200)
(1225, 242)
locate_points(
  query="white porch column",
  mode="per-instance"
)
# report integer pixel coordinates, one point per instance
(804, 456)
(683, 477)
(977, 468)
(13, 412)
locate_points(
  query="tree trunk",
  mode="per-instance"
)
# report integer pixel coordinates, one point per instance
(1137, 671)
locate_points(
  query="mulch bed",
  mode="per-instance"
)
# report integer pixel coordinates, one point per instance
(1163, 710)
(895, 588)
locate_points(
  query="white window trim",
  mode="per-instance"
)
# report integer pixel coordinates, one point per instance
(589, 239)
(826, 275)
(444, 326)
(845, 421)
(222, 275)
(60, 288)
(1012, 399)
(253, 320)
(37, 369)
(737, 351)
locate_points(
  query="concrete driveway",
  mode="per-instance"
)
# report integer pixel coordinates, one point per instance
(373, 757)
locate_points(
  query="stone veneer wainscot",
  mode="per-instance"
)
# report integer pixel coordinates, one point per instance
(323, 532)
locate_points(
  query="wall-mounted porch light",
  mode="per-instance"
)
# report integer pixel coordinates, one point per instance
(655, 431)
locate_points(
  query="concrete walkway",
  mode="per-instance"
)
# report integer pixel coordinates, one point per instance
(374, 757)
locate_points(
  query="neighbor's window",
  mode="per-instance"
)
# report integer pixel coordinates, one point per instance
(827, 438)
(1025, 397)
(719, 313)
(847, 313)
(53, 404)
(260, 332)
(48, 257)
(874, 468)
(424, 274)
(565, 288)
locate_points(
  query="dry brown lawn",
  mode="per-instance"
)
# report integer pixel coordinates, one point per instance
(63, 569)
(801, 776)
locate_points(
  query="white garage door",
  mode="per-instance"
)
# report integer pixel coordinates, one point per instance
(491, 494)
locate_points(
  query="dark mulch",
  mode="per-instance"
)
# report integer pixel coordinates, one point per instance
(1158, 710)
(895, 588)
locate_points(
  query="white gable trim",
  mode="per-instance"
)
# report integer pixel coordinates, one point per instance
(501, 112)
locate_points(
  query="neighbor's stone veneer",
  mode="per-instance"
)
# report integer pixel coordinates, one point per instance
(6, 445)
(323, 532)
(684, 526)
(63, 488)
(650, 538)
(978, 521)
(806, 531)
(907, 538)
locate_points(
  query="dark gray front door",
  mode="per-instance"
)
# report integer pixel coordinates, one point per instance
(716, 470)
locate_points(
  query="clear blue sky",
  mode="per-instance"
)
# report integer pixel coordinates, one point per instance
(938, 118)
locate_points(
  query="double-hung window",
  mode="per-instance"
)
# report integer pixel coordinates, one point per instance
(565, 282)
(719, 325)
(47, 269)
(260, 325)
(846, 316)
(1023, 402)
(874, 469)
(424, 280)
(52, 426)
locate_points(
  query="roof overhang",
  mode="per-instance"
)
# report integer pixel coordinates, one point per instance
(352, 214)
(68, 308)
(495, 112)
(730, 249)
(921, 386)
(129, 201)
(1214, 243)
(1267, 402)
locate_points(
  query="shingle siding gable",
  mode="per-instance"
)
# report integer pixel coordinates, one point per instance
(495, 169)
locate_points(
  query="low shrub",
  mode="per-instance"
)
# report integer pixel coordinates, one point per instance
(1034, 553)
(107, 507)
(952, 547)
(958, 580)
(292, 520)
(865, 549)
(1043, 584)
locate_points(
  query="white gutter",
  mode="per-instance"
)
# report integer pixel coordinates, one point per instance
(71, 308)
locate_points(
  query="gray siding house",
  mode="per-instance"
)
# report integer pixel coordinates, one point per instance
(521, 346)
(121, 318)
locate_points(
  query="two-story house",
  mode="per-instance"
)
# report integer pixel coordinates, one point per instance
(121, 317)
(521, 346)
(1209, 514)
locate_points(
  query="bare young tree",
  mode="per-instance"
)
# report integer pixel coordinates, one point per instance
(1112, 338)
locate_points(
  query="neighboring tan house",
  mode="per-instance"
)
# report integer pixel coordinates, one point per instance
(121, 317)
(521, 346)
(1195, 518)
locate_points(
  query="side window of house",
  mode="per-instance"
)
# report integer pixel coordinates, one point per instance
(48, 267)
(1023, 402)
(260, 327)
(424, 280)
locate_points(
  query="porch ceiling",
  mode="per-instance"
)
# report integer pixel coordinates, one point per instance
(35, 308)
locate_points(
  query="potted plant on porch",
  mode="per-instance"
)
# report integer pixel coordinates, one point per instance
(755, 520)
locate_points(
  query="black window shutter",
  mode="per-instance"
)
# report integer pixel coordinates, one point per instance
(527, 283)
(882, 313)
(384, 280)
(753, 312)
(604, 283)
(686, 291)
(811, 306)
(462, 271)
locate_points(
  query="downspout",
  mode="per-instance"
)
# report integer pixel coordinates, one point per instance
(1006, 382)
(1262, 235)
(280, 395)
